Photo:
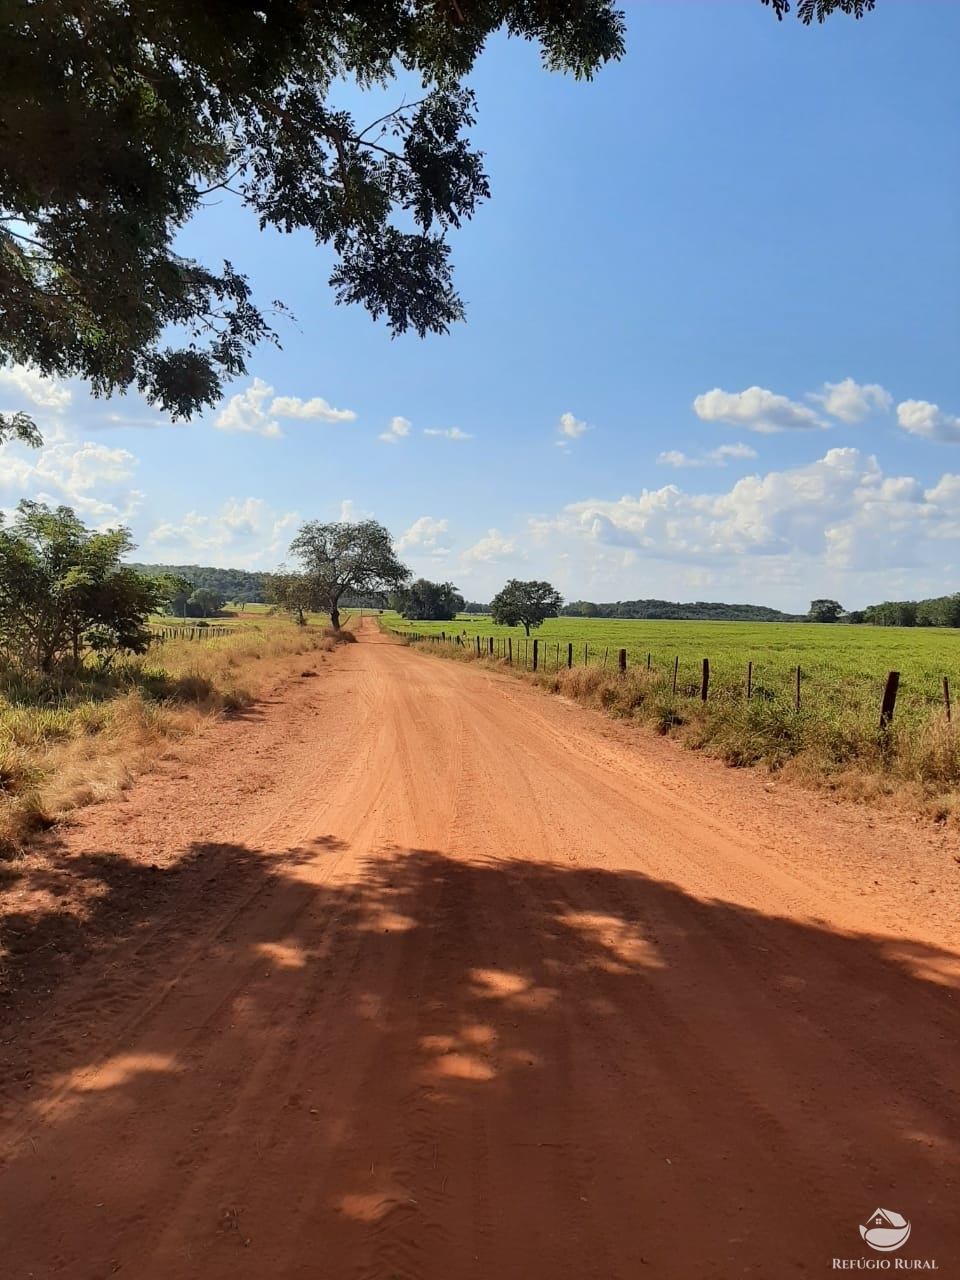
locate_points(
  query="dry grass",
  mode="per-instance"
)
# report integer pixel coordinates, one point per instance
(917, 761)
(68, 741)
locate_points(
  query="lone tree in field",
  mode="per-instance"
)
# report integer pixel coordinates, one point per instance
(425, 601)
(346, 559)
(525, 603)
(825, 611)
(293, 593)
(64, 592)
(118, 118)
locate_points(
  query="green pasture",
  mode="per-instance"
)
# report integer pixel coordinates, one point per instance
(842, 667)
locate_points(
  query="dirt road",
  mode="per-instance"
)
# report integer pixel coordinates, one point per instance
(423, 975)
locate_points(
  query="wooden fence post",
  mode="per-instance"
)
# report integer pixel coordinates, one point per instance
(586, 649)
(509, 651)
(536, 654)
(946, 697)
(605, 652)
(478, 646)
(796, 701)
(491, 646)
(622, 661)
(569, 655)
(749, 680)
(676, 668)
(889, 699)
(705, 680)
(648, 662)
(558, 657)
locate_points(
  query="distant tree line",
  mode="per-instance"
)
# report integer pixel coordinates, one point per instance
(671, 610)
(238, 586)
(939, 611)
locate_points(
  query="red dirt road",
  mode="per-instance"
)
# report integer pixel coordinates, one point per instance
(419, 974)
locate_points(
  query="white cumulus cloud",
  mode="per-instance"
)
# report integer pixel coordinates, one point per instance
(424, 533)
(398, 430)
(89, 477)
(494, 546)
(676, 458)
(19, 383)
(293, 407)
(921, 418)
(243, 533)
(850, 401)
(569, 428)
(756, 409)
(713, 458)
(448, 433)
(838, 515)
(247, 412)
(257, 409)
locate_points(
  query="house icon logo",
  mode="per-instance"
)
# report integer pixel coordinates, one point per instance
(885, 1230)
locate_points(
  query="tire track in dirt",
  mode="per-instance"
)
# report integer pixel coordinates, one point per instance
(481, 985)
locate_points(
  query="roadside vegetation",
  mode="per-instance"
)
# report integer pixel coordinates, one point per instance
(89, 697)
(833, 740)
(69, 739)
(97, 680)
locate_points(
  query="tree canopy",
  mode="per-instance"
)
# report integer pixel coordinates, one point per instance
(295, 594)
(825, 611)
(118, 119)
(525, 604)
(344, 559)
(430, 601)
(64, 592)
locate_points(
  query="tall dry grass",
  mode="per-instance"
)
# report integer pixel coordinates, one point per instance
(74, 738)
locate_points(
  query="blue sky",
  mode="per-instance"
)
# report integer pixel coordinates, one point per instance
(710, 352)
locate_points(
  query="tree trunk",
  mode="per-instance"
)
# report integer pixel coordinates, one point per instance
(335, 618)
(526, 627)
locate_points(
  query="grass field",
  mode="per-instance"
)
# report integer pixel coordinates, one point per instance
(69, 739)
(843, 672)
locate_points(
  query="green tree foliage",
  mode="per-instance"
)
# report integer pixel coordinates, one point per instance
(429, 601)
(941, 611)
(64, 592)
(239, 586)
(892, 613)
(295, 594)
(205, 602)
(938, 611)
(824, 611)
(19, 426)
(525, 604)
(346, 559)
(118, 118)
(819, 10)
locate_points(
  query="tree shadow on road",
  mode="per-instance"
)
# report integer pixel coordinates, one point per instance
(490, 1068)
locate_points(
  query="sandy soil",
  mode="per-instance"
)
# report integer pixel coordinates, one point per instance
(415, 973)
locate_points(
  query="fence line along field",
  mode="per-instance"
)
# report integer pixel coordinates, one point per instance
(843, 671)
